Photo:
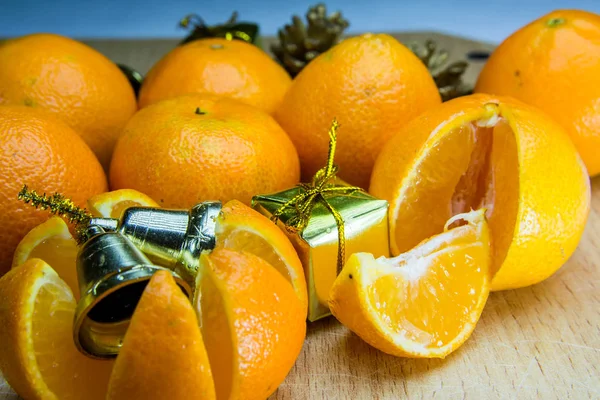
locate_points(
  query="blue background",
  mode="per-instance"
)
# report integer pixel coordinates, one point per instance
(489, 20)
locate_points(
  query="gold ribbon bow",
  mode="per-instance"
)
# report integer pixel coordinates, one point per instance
(317, 192)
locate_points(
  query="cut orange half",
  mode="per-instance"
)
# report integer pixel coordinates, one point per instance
(423, 303)
(112, 204)
(38, 357)
(52, 242)
(241, 228)
(485, 151)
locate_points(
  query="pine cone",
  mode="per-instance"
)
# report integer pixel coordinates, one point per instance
(449, 79)
(299, 44)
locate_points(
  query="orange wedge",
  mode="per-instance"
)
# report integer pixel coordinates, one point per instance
(252, 322)
(52, 242)
(112, 204)
(38, 357)
(241, 228)
(423, 303)
(483, 151)
(163, 355)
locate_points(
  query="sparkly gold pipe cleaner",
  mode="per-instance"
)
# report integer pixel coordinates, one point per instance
(59, 205)
(317, 192)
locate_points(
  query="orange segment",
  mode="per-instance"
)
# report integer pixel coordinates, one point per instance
(38, 357)
(112, 204)
(241, 228)
(493, 152)
(252, 323)
(163, 354)
(52, 242)
(423, 303)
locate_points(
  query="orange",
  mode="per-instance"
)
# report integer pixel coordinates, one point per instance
(261, 292)
(230, 68)
(52, 241)
(72, 80)
(252, 323)
(373, 85)
(203, 147)
(163, 355)
(493, 152)
(112, 204)
(38, 357)
(241, 228)
(423, 303)
(43, 152)
(553, 63)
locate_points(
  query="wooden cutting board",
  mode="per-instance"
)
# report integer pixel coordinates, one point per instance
(541, 342)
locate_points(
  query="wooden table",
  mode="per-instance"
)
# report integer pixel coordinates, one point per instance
(541, 342)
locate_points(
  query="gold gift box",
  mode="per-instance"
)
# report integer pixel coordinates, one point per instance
(366, 230)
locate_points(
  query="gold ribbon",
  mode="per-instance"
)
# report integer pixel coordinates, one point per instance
(316, 192)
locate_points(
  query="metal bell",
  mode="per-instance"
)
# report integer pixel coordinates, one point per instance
(112, 275)
(171, 238)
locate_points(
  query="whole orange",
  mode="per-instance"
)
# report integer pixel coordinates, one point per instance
(80, 85)
(553, 63)
(41, 151)
(373, 85)
(203, 147)
(230, 68)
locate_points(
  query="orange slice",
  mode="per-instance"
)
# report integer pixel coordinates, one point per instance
(252, 322)
(52, 242)
(112, 204)
(38, 357)
(483, 151)
(423, 303)
(241, 228)
(163, 354)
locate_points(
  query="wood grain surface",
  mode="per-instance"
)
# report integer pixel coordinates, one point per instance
(541, 342)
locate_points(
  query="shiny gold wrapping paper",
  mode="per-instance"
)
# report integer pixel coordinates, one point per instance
(366, 230)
